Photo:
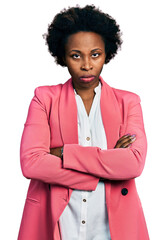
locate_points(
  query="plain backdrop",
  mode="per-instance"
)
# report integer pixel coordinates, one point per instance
(139, 67)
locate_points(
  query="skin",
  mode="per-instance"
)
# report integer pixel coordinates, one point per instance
(85, 55)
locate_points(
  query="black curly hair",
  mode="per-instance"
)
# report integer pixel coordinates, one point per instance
(76, 19)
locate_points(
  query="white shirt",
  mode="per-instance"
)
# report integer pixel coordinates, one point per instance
(85, 217)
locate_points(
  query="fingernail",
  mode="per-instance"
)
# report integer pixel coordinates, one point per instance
(134, 135)
(133, 139)
(127, 134)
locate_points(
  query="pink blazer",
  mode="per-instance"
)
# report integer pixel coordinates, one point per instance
(52, 122)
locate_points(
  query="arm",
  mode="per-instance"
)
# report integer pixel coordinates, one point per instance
(36, 160)
(112, 164)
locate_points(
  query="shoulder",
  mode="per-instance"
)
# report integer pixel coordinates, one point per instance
(47, 95)
(48, 89)
(46, 92)
(122, 96)
(126, 97)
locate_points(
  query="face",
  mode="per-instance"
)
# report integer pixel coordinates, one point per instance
(85, 57)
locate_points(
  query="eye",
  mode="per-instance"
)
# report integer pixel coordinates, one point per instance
(95, 55)
(75, 56)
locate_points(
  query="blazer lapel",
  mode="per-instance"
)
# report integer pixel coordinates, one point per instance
(68, 114)
(111, 114)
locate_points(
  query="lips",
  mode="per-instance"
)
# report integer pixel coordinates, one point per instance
(87, 78)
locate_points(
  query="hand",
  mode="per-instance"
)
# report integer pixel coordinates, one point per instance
(56, 151)
(125, 141)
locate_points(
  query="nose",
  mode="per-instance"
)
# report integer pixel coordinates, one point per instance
(86, 64)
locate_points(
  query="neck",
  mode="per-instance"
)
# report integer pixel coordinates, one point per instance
(87, 93)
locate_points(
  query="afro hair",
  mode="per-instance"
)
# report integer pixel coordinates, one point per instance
(76, 19)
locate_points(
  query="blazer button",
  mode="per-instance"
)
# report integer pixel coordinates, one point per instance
(124, 191)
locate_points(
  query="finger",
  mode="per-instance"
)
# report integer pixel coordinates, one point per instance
(126, 144)
(124, 137)
(125, 140)
(128, 140)
(122, 140)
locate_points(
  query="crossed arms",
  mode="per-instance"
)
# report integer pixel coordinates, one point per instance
(40, 162)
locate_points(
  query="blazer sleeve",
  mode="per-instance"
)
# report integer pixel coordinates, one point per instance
(116, 163)
(36, 160)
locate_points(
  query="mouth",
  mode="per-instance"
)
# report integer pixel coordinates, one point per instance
(87, 78)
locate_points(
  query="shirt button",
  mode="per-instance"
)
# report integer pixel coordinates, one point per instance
(83, 222)
(84, 200)
(88, 138)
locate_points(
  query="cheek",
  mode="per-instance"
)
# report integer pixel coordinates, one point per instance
(72, 68)
(99, 64)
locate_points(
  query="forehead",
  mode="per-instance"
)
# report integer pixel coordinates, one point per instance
(85, 41)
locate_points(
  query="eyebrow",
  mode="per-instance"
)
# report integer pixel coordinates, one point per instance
(74, 50)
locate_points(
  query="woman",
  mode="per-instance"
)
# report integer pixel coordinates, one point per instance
(83, 142)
